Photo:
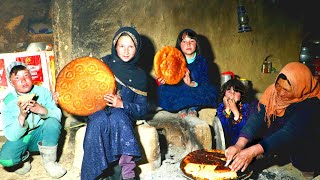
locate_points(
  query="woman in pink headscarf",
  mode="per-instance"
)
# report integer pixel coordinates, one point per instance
(287, 122)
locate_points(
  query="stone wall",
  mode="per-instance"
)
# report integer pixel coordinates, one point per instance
(17, 17)
(86, 27)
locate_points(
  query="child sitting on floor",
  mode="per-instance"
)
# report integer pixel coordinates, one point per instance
(233, 111)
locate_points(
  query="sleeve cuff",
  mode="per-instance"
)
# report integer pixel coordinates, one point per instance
(25, 125)
(196, 84)
(44, 115)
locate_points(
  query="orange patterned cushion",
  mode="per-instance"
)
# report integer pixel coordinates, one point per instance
(81, 85)
(170, 64)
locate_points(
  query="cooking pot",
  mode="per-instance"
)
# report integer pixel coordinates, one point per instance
(36, 46)
(226, 76)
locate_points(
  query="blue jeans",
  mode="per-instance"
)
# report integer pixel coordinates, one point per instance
(48, 133)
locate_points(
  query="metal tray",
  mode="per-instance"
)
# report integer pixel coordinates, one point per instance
(241, 175)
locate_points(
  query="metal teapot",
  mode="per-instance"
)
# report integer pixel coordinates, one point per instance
(226, 76)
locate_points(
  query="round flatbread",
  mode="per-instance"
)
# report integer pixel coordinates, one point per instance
(81, 85)
(26, 97)
(170, 65)
(206, 164)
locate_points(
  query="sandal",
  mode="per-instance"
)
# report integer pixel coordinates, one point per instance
(192, 113)
(182, 114)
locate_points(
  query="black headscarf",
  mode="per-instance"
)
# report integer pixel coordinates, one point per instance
(127, 72)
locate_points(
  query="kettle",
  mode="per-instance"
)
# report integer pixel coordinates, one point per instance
(226, 76)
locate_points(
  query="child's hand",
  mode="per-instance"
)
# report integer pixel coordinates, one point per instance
(55, 97)
(233, 107)
(113, 100)
(161, 81)
(225, 102)
(187, 79)
(35, 107)
(232, 104)
(24, 109)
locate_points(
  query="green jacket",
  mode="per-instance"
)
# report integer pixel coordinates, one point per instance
(12, 129)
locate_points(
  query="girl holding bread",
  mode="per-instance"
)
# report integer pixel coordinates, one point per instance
(194, 91)
(110, 140)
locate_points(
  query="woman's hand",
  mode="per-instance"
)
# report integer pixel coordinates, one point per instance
(55, 97)
(231, 152)
(113, 100)
(242, 160)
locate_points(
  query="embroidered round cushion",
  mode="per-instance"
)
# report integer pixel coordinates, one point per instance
(170, 64)
(81, 85)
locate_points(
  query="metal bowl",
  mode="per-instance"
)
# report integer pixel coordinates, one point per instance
(37, 46)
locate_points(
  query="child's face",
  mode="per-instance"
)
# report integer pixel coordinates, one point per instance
(22, 81)
(125, 48)
(188, 46)
(231, 94)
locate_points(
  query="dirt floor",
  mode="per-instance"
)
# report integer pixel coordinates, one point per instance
(169, 169)
(38, 172)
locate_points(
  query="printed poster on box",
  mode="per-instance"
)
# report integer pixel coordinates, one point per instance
(3, 79)
(41, 65)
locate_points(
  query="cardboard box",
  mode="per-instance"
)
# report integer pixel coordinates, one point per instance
(41, 65)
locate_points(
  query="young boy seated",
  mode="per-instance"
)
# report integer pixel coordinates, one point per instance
(31, 122)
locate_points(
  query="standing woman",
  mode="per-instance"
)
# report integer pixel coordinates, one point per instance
(110, 135)
(287, 122)
(194, 91)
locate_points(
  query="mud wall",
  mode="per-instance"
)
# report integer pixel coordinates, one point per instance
(83, 27)
(20, 22)
(93, 24)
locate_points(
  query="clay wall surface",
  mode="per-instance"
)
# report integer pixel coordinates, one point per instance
(82, 27)
(18, 17)
(159, 22)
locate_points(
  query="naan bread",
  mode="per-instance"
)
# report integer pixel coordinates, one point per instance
(170, 65)
(207, 165)
(25, 97)
(81, 85)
